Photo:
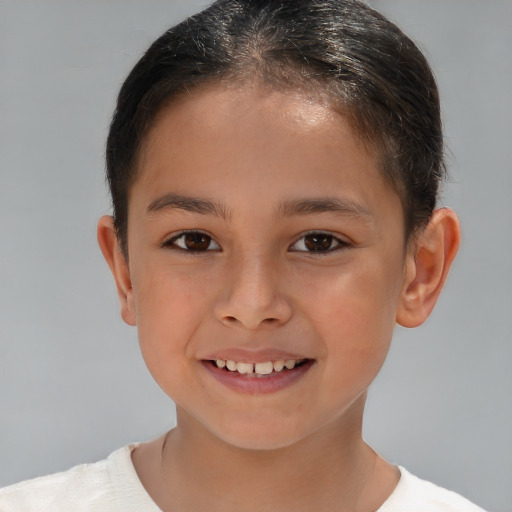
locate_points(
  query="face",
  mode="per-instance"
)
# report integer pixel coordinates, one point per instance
(262, 238)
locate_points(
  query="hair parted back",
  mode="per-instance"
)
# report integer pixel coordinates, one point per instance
(369, 70)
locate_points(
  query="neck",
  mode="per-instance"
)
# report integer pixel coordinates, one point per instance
(333, 468)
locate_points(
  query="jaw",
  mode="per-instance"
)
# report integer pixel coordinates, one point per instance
(249, 413)
(264, 429)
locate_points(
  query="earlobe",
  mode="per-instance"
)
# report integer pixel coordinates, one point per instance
(426, 269)
(109, 245)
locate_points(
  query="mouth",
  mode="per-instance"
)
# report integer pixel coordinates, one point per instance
(258, 377)
(258, 370)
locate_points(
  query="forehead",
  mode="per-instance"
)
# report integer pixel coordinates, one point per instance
(217, 115)
(227, 107)
(249, 142)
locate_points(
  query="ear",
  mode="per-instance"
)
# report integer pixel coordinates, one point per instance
(428, 261)
(110, 247)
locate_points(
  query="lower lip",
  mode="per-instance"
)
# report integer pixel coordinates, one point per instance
(271, 383)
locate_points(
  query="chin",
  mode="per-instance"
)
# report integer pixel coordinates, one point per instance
(261, 442)
(261, 436)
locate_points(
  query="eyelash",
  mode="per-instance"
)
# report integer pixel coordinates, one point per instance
(340, 244)
(171, 243)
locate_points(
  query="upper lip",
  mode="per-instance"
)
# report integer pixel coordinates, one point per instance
(253, 356)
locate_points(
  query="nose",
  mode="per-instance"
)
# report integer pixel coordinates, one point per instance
(252, 297)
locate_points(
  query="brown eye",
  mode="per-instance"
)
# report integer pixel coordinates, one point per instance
(193, 241)
(318, 243)
(196, 241)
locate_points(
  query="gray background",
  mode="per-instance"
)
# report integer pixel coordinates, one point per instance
(73, 386)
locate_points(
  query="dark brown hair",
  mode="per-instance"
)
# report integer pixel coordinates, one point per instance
(368, 68)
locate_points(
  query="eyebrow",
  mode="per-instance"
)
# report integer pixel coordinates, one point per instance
(335, 205)
(189, 204)
(307, 206)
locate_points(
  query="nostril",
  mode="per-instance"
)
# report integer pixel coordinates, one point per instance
(250, 323)
(233, 319)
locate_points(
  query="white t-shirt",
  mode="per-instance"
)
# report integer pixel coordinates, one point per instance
(112, 485)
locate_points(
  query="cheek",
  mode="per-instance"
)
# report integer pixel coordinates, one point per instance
(353, 313)
(169, 303)
(359, 302)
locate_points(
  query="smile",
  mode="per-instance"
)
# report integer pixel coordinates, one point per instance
(258, 378)
(258, 369)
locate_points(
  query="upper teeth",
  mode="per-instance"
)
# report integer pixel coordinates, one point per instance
(264, 368)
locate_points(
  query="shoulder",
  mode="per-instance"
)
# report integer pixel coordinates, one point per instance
(413, 494)
(88, 487)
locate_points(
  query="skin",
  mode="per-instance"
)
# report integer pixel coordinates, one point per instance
(259, 287)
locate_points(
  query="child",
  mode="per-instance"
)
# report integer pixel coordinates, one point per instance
(274, 169)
